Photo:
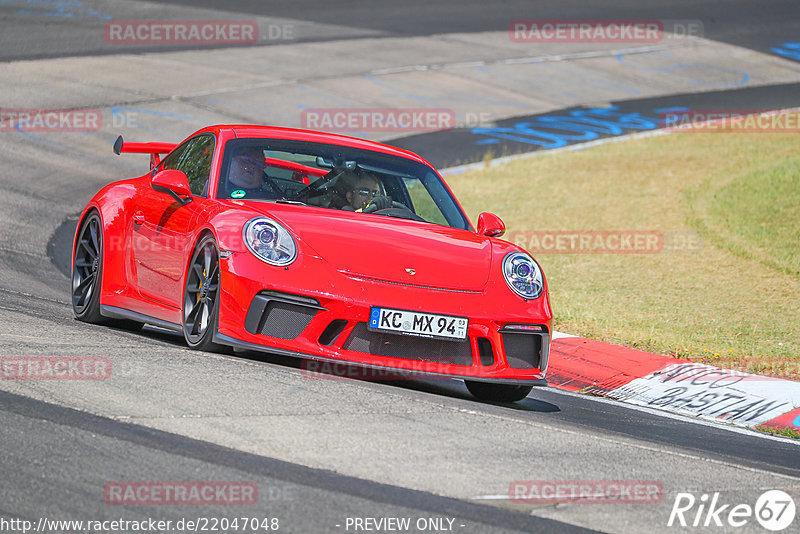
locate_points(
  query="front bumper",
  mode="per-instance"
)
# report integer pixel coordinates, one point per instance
(312, 311)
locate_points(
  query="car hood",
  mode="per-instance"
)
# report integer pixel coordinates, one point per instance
(391, 249)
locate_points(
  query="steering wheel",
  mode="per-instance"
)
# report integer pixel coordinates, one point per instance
(271, 183)
(398, 209)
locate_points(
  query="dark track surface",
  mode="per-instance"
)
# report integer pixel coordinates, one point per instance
(549, 406)
(79, 453)
(458, 147)
(722, 20)
(79, 450)
(748, 23)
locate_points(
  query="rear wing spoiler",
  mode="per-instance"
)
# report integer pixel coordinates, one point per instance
(154, 149)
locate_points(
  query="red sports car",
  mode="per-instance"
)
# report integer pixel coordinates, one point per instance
(318, 246)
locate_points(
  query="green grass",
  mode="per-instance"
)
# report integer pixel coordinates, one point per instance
(757, 215)
(725, 289)
(780, 431)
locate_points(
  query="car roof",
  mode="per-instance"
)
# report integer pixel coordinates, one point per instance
(275, 132)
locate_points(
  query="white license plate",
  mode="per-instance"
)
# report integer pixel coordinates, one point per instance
(417, 323)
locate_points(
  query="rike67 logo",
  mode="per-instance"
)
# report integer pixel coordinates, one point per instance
(774, 510)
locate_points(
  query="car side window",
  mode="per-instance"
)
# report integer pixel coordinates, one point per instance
(171, 161)
(195, 162)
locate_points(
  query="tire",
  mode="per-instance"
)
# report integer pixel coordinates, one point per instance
(87, 271)
(497, 392)
(200, 297)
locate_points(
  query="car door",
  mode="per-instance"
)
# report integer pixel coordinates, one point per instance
(162, 224)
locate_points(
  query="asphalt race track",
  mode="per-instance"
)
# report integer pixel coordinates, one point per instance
(324, 452)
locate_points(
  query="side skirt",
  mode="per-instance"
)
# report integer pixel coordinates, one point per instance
(120, 313)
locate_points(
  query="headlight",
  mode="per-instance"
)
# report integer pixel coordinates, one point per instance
(523, 275)
(269, 241)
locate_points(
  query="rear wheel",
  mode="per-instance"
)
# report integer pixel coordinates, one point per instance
(497, 392)
(200, 297)
(87, 271)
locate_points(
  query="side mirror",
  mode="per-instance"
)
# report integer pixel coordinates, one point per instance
(490, 225)
(174, 183)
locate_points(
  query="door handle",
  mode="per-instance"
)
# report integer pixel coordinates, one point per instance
(138, 218)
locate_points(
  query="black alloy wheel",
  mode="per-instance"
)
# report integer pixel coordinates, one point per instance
(87, 270)
(200, 305)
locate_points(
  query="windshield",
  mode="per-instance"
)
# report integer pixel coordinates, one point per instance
(336, 177)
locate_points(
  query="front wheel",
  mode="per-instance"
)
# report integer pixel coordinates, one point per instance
(497, 392)
(87, 270)
(200, 297)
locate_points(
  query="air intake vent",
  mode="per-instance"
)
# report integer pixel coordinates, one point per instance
(523, 351)
(332, 331)
(280, 315)
(485, 351)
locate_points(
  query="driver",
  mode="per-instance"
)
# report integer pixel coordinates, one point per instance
(245, 178)
(365, 190)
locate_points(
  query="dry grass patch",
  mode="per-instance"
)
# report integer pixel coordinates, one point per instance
(726, 288)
